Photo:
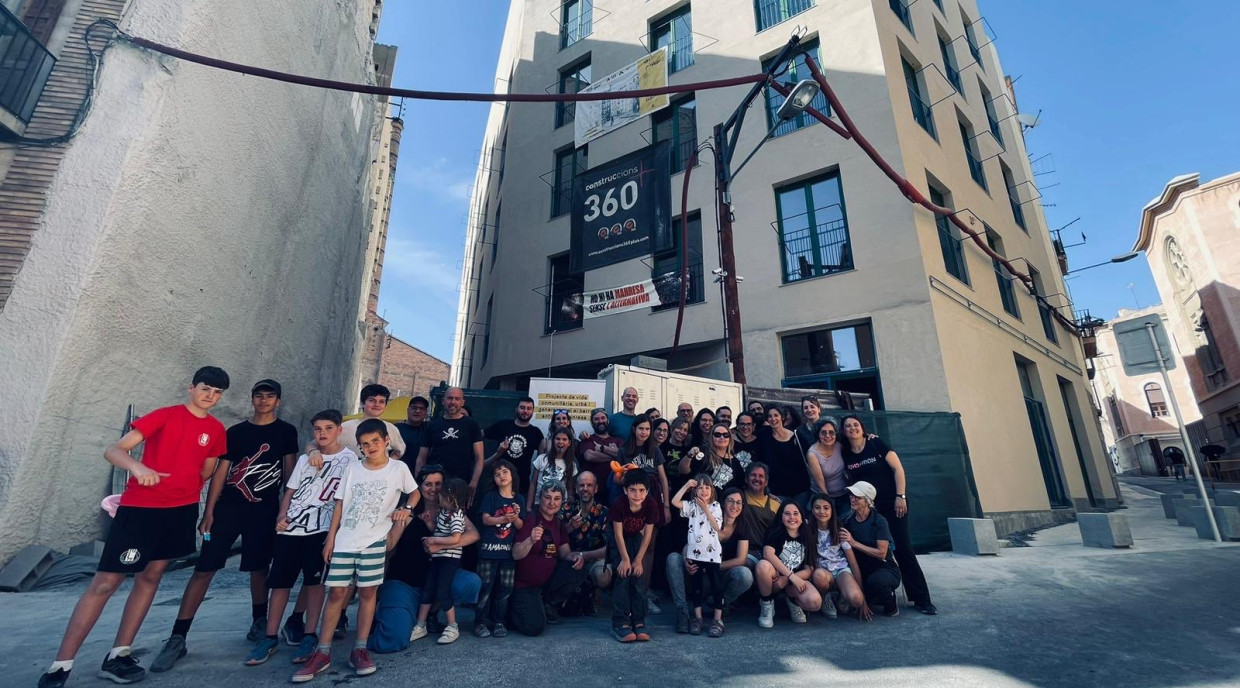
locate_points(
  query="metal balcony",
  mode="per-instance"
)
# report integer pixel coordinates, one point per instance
(24, 67)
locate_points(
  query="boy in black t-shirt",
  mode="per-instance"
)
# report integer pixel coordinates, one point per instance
(243, 501)
(633, 517)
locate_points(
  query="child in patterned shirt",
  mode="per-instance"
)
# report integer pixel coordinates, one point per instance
(703, 553)
(445, 550)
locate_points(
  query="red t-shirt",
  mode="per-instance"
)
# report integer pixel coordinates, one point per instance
(634, 522)
(178, 443)
(537, 566)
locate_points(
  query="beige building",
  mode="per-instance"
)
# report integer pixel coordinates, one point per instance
(1190, 237)
(846, 284)
(1138, 421)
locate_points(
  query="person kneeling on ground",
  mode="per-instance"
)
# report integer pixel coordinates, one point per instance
(548, 570)
(586, 521)
(869, 536)
(837, 565)
(787, 564)
(734, 575)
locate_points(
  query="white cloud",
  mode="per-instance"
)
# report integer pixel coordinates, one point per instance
(449, 185)
(418, 267)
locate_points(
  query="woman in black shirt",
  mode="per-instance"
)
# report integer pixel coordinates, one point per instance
(746, 445)
(790, 470)
(717, 461)
(699, 432)
(870, 460)
(869, 535)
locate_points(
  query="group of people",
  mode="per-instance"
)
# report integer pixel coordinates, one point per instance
(414, 519)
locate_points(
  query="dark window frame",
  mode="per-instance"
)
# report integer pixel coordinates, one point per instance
(566, 112)
(682, 146)
(665, 270)
(846, 263)
(679, 48)
(561, 287)
(573, 31)
(789, 78)
(562, 189)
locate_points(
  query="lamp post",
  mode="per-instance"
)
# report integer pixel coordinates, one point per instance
(725, 138)
(1117, 259)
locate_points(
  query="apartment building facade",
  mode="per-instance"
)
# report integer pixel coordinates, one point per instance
(847, 285)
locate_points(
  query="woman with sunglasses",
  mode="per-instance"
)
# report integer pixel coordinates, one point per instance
(559, 419)
(717, 461)
(829, 455)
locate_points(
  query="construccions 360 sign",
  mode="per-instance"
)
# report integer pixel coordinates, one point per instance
(620, 208)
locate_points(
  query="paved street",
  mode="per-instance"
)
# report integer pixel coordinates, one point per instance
(1051, 614)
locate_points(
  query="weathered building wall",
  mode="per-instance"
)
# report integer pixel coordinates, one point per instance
(200, 217)
(408, 371)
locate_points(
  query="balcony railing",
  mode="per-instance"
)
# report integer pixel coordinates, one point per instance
(772, 12)
(975, 166)
(668, 287)
(1048, 321)
(994, 126)
(953, 74)
(564, 310)
(24, 67)
(822, 250)
(921, 112)
(1018, 213)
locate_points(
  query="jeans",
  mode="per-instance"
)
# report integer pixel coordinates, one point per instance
(438, 586)
(734, 582)
(910, 570)
(526, 610)
(628, 595)
(497, 578)
(397, 610)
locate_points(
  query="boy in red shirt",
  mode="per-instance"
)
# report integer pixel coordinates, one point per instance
(154, 524)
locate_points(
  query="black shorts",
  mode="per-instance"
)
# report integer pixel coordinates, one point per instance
(140, 535)
(294, 554)
(255, 524)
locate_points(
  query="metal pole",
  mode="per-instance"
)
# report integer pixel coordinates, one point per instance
(1179, 422)
(727, 261)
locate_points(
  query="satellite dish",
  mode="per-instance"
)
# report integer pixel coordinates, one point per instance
(1028, 121)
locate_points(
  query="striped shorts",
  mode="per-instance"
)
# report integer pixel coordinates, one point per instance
(365, 566)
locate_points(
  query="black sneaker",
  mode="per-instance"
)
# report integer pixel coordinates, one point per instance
(926, 608)
(294, 630)
(553, 614)
(682, 621)
(258, 630)
(53, 679)
(342, 627)
(122, 669)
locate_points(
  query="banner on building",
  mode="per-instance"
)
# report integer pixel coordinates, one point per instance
(630, 297)
(578, 397)
(619, 207)
(593, 118)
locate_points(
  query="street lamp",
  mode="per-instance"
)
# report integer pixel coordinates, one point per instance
(802, 95)
(1117, 259)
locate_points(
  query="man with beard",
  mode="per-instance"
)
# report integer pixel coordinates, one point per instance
(518, 441)
(759, 513)
(586, 521)
(413, 429)
(685, 411)
(598, 450)
(455, 442)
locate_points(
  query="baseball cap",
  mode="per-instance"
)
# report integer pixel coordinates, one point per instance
(267, 384)
(863, 489)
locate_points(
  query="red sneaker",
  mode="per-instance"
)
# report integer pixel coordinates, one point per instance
(361, 662)
(315, 665)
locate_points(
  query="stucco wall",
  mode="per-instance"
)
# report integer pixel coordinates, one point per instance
(200, 217)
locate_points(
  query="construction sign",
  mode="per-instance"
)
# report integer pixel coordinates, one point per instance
(594, 118)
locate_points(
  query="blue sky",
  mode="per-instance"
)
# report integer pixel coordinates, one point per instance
(1130, 97)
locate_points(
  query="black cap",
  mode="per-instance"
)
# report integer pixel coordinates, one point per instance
(267, 384)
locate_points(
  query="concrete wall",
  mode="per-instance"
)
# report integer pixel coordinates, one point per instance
(200, 217)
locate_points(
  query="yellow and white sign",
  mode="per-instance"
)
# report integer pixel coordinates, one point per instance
(578, 397)
(597, 117)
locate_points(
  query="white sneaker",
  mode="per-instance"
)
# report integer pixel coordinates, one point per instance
(419, 632)
(798, 614)
(766, 614)
(450, 633)
(828, 607)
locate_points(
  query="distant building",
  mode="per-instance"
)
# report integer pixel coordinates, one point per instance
(401, 367)
(1136, 410)
(197, 217)
(1191, 237)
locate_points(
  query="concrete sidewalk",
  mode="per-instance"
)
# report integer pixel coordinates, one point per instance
(1163, 613)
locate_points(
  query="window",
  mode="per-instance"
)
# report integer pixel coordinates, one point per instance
(949, 65)
(568, 164)
(576, 21)
(772, 12)
(486, 336)
(499, 209)
(1209, 358)
(503, 157)
(1018, 213)
(1044, 309)
(572, 80)
(991, 117)
(1116, 419)
(563, 296)
(678, 124)
(971, 156)
(666, 271)
(1007, 292)
(813, 229)
(917, 98)
(970, 37)
(1157, 402)
(675, 31)
(939, 4)
(797, 70)
(949, 239)
(901, 10)
(838, 358)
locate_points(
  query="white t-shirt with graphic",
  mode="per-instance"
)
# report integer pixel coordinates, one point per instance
(703, 544)
(368, 498)
(547, 473)
(314, 492)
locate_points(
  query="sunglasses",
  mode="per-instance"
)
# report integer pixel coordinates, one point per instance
(720, 435)
(560, 412)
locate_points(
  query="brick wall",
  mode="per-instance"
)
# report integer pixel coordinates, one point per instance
(407, 370)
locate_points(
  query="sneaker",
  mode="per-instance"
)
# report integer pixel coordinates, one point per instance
(643, 634)
(53, 679)
(309, 643)
(624, 634)
(926, 608)
(795, 611)
(499, 631)
(450, 633)
(125, 668)
(315, 665)
(342, 627)
(695, 626)
(651, 606)
(419, 632)
(262, 651)
(716, 629)
(766, 613)
(294, 630)
(481, 631)
(174, 649)
(258, 630)
(553, 614)
(361, 662)
(682, 621)
(828, 607)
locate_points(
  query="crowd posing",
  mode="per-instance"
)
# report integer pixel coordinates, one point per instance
(415, 520)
